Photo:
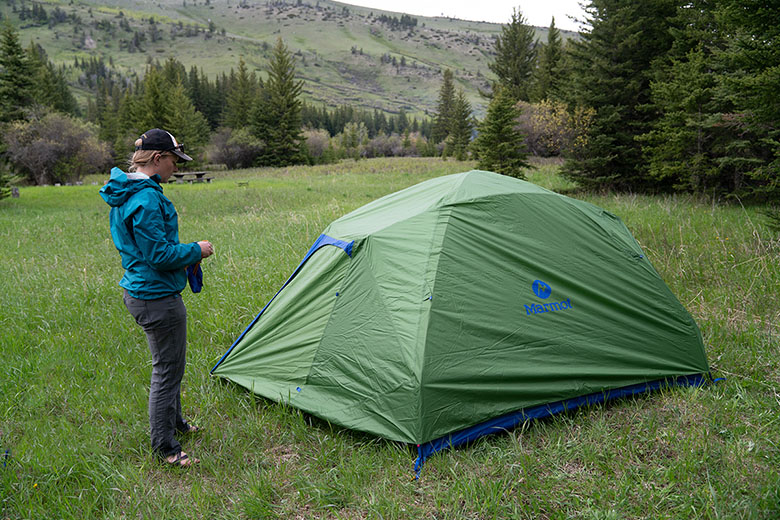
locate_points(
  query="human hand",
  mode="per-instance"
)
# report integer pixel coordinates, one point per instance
(206, 249)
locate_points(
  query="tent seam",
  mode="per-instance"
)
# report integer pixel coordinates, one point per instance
(423, 334)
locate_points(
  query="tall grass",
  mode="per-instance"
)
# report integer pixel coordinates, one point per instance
(75, 371)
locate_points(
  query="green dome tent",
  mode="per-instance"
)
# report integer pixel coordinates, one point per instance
(462, 305)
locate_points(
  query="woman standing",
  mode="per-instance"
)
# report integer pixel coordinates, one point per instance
(145, 229)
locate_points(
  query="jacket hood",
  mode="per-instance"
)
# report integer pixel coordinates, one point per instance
(121, 186)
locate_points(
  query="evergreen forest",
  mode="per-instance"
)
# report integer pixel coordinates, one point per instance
(656, 96)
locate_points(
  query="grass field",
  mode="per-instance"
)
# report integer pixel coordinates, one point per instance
(75, 372)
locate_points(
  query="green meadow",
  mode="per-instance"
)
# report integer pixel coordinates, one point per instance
(75, 370)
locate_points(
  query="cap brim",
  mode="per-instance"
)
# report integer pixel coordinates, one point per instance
(182, 155)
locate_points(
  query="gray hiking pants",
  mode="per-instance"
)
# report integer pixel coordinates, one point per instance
(164, 321)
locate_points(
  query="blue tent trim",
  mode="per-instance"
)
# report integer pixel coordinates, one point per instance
(511, 420)
(322, 241)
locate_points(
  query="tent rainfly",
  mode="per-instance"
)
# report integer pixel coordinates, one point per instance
(462, 306)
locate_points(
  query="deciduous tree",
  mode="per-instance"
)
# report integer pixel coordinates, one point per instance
(235, 148)
(54, 148)
(551, 128)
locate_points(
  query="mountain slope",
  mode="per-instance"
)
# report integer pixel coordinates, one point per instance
(345, 54)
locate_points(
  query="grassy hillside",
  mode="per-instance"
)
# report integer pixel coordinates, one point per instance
(75, 374)
(345, 53)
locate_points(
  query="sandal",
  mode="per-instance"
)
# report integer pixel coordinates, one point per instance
(191, 428)
(181, 460)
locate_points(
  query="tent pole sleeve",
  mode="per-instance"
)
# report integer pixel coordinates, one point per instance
(322, 240)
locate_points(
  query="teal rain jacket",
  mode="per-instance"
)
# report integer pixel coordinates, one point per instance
(145, 229)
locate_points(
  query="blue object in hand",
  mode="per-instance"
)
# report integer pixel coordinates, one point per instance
(195, 277)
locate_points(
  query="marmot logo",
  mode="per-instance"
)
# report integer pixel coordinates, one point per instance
(541, 289)
(544, 291)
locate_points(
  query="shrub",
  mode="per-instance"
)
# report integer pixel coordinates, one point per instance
(424, 148)
(54, 148)
(383, 146)
(414, 145)
(410, 145)
(550, 129)
(234, 148)
(353, 140)
(318, 146)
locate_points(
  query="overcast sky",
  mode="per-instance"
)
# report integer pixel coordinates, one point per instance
(535, 12)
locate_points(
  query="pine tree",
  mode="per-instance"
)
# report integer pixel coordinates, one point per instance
(208, 98)
(425, 128)
(753, 60)
(754, 55)
(50, 86)
(500, 145)
(403, 121)
(515, 57)
(368, 120)
(547, 75)
(441, 122)
(689, 145)
(153, 106)
(612, 68)
(106, 115)
(173, 71)
(242, 94)
(5, 182)
(683, 145)
(162, 102)
(183, 121)
(380, 122)
(17, 91)
(127, 127)
(194, 90)
(277, 117)
(460, 128)
(219, 95)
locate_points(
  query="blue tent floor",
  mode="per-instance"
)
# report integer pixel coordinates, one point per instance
(509, 421)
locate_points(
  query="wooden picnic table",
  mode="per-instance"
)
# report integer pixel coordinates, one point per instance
(192, 177)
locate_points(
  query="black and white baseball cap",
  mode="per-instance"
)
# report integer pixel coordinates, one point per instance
(156, 139)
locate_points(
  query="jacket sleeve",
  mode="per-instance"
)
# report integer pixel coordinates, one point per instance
(157, 250)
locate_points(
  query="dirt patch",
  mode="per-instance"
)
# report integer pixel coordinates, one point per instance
(280, 455)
